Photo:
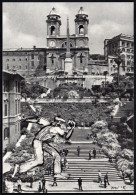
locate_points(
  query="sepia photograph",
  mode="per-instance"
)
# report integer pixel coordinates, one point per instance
(67, 97)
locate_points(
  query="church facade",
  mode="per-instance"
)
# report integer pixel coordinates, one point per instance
(56, 43)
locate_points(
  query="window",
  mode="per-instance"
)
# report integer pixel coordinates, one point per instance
(26, 59)
(13, 59)
(111, 61)
(18, 106)
(18, 86)
(6, 109)
(6, 86)
(123, 43)
(32, 64)
(7, 66)
(123, 49)
(6, 133)
(128, 62)
(132, 50)
(44, 67)
(19, 67)
(127, 44)
(15, 106)
(132, 44)
(128, 50)
(26, 67)
(81, 29)
(19, 59)
(52, 30)
(32, 56)
(7, 60)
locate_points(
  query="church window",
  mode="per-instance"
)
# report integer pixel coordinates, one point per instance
(6, 133)
(81, 29)
(52, 30)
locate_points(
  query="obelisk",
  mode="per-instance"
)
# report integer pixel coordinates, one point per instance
(68, 60)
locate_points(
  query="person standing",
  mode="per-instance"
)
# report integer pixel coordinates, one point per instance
(49, 169)
(54, 181)
(31, 182)
(107, 179)
(40, 188)
(94, 152)
(90, 155)
(99, 177)
(80, 184)
(78, 150)
(19, 185)
(65, 161)
(43, 183)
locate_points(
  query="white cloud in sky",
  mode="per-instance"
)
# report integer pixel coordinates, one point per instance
(24, 24)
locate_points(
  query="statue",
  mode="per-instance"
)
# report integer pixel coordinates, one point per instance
(48, 136)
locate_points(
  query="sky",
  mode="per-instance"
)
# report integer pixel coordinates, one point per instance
(24, 24)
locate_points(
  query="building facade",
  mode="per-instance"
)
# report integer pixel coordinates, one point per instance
(125, 44)
(26, 62)
(56, 43)
(11, 107)
(97, 64)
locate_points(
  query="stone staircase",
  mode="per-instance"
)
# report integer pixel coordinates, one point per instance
(87, 169)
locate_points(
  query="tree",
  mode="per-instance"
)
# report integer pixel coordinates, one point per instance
(118, 60)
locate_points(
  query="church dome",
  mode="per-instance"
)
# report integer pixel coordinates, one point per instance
(81, 11)
(53, 12)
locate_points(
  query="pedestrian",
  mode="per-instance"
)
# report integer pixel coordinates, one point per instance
(31, 182)
(123, 175)
(80, 184)
(40, 188)
(19, 185)
(65, 161)
(94, 152)
(43, 183)
(49, 169)
(90, 155)
(99, 177)
(54, 181)
(78, 150)
(94, 140)
(107, 179)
